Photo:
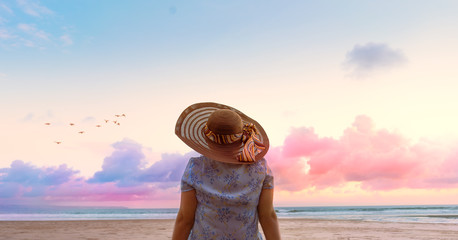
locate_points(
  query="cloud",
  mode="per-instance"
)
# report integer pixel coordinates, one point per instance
(5, 8)
(371, 57)
(33, 31)
(28, 43)
(125, 176)
(377, 158)
(17, 30)
(125, 167)
(28, 117)
(33, 8)
(29, 175)
(4, 34)
(66, 40)
(24, 179)
(81, 191)
(89, 119)
(169, 169)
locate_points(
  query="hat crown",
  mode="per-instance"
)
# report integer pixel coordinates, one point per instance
(225, 122)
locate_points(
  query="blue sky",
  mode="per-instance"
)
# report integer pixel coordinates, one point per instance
(147, 36)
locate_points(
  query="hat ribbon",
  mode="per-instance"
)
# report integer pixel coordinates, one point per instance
(222, 138)
(252, 144)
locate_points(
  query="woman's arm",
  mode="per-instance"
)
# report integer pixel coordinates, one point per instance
(185, 216)
(267, 215)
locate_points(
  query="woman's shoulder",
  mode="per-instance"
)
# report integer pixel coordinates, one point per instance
(260, 163)
(197, 161)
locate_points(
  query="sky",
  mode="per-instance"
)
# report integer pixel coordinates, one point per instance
(358, 97)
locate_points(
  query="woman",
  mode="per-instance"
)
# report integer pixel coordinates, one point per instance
(227, 190)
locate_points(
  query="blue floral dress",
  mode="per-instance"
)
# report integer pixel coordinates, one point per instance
(227, 197)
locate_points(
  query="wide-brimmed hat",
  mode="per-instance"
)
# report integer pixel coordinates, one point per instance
(222, 133)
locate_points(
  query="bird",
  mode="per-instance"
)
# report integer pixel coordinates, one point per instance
(118, 124)
(117, 115)
(106, 121)
(48, 124)
(58, 142)
(115, 122)
(98, 125)
(81, 132)
(72, 124)
(123, 115)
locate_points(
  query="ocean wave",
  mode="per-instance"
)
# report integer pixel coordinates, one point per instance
(430, 214)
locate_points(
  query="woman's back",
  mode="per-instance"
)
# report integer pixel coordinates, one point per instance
(229, 189)
(227, 197)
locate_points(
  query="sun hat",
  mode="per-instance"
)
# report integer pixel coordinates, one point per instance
(222, 133)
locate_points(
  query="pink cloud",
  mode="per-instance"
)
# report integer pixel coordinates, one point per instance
(378, 158)
(75, 191)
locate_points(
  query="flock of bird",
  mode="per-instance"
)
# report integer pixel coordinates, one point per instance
(115, 122)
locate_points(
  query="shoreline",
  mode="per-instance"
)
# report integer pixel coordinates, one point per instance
(283, 219)
(161, 229)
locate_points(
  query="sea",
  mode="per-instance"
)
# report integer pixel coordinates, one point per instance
(409, 213)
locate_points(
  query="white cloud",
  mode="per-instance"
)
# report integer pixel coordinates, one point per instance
(26, 27)
(32, 30)
(66, 40)
(6, 8)
(20, 30)
(33, 8)
(28, 117)
(27, 42)
(365, 59)
(4, 34)
(89, 119)
(41, 34)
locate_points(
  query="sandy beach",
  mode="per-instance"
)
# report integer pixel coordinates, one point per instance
(162, 229)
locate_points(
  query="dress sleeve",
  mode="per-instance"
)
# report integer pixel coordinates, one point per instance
(269, 179)
(186, 183)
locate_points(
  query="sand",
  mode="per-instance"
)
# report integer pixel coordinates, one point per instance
(162, 229)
